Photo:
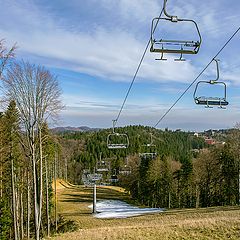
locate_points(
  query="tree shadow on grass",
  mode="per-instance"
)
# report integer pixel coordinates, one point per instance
(85, 194)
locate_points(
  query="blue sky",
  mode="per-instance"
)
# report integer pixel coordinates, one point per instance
(94, 47)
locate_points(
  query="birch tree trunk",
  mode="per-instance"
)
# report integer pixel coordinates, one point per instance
(17, 209)
(35, 189)
(14, 200)
(40, 178)
(28, 207)
(47, 199)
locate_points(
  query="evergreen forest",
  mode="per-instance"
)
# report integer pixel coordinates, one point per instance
(177, 170)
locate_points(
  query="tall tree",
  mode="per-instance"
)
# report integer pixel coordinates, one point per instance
(13, 154)
(11, 162)
(5, 55)
(37, 96)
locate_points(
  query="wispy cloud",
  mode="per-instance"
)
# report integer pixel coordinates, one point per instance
(185, 118)
(107, 53)
(110, 54)
(106, 41)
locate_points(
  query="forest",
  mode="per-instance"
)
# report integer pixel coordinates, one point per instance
(28, 151)
(179, 170)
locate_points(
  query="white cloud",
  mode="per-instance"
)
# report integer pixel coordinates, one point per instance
(141, 10)
(113, 54)
(104, 53)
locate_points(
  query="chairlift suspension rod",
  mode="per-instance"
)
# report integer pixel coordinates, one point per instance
(186, 90)
(173, 18)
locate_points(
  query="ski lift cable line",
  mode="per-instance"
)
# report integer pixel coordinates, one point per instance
(179, 98)
(137, 70)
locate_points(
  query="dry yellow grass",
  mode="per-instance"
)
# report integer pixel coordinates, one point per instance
(116, 188)
(201, 224)
(61, 184)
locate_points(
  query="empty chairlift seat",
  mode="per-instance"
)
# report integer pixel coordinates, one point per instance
(210, 101)
(175, 46)
(117, 140)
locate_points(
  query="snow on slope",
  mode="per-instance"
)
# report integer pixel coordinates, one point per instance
(120, 209)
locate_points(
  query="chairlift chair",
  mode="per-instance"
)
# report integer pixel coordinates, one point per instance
(221, 102)
(113, 179)
(102, 166)
(149, 145)
(126, 169)
(146, 155)
(173, 46)
(211, 101)
(118, 145)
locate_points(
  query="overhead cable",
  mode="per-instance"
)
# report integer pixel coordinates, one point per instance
(179, 98)
(137, 70)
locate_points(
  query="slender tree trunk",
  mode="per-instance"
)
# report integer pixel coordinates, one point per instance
(14, 200)
(169, 199)
(55, 189)
(47, 199)
(66, 169)
(239, 186)
(40, 178)
(28, 207)
(197, 196)
(17, 209)
(22, 214)
(179, 195)
(35, 190)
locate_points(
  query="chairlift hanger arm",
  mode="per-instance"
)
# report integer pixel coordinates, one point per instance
(151, 140)
(114, 124)
(172, 18)
(216, 61)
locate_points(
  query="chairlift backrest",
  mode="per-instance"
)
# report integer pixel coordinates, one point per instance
(123, 137)
(172, 45)
(211, 101)
(148, 155)
(150, 144)
(149, 149)
(103, 166)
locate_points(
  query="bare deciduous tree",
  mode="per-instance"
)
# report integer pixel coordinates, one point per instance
(37, 96)
(5, 55)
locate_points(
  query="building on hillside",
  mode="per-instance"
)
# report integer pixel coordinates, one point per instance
(196, 134)
(210, 141)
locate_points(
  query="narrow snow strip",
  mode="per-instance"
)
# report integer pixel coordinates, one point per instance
(120, 209)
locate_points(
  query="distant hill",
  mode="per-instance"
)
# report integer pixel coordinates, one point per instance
(74, 129)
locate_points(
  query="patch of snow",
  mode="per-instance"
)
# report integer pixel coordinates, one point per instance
(120, 209)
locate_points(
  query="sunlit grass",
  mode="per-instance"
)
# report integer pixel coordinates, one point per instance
(200, 224)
